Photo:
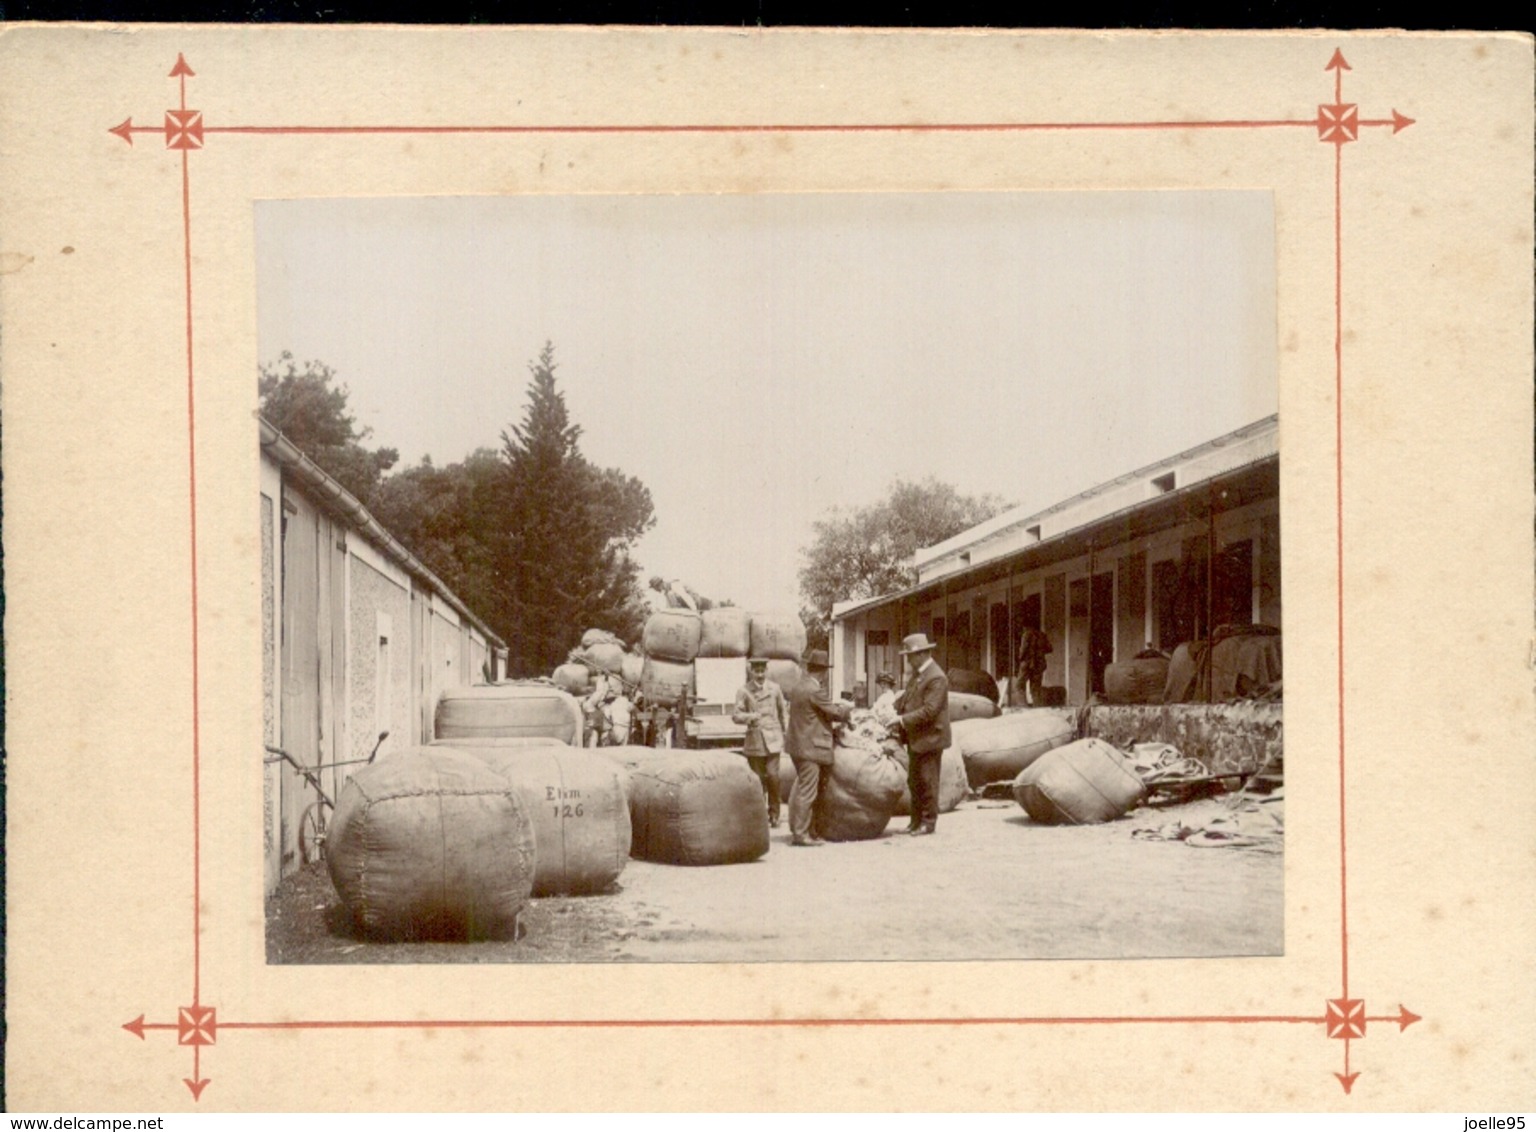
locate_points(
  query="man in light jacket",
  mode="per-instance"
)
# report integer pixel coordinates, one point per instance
(922, 722)
(760, 705)
(812, 712)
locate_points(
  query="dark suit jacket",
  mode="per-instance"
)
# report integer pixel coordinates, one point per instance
(811, 714)
(924, 711)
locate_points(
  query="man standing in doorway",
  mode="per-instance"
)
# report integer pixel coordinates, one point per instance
(760, 705)
(922, 722)
(1034, 646)
(811, 715)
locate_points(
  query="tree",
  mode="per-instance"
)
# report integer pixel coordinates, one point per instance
(440, 514)
(866, 552)
(302, 403)
(560, 550)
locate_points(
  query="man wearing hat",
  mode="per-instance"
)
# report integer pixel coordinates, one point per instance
(922, 722)
(760, 705)
(811, 715)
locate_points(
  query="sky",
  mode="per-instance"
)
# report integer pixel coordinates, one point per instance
(759, 360)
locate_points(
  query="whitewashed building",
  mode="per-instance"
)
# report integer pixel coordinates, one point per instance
(1155, 557)
(358, 638)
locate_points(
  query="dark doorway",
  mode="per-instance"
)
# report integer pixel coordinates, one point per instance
(1101, 629)
(1232, 591)
(1002, 646)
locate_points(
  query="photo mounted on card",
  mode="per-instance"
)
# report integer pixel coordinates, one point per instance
(568, 465)
(564, 568)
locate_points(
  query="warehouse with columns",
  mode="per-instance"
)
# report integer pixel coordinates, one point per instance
(1150, 560)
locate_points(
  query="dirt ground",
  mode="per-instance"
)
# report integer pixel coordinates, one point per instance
(991, 884)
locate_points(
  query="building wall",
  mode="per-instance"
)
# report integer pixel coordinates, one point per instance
(1137, 615)
(343, 657)
(270, 778)
(442, 654)
(380, 661)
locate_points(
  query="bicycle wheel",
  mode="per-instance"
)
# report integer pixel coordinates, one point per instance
(312, 834)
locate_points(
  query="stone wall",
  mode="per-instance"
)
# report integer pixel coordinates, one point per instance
(1225, 738)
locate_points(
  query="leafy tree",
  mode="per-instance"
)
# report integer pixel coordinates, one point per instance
(440, 514)
(865, 552)
(304, 405)
(534, 538)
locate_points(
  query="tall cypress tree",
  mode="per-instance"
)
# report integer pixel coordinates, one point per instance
(562, 551)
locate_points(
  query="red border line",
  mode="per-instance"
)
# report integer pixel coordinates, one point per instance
(1338, 419)
(197, 871)
(755, 1023)
(894, 127)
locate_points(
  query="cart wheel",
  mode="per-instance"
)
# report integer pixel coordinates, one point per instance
(312, 834)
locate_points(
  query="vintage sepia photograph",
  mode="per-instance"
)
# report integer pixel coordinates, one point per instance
(772, 577)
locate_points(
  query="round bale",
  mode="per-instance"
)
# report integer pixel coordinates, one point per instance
(696, 808)
(431, 844)
(579, 808)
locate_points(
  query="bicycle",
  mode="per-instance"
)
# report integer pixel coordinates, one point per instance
(314, 819)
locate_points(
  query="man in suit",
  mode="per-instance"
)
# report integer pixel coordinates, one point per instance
(760, 705)
(922, 722)
(811, 715)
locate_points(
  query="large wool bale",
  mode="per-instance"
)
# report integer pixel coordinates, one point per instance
(953, 785)
(572, 678)
(508, 711)
(632, 668)
(579, 807)
(1080, 784)
(1136, 681)
(785, 673)
(605, 656)
(964, 705)
(973, 683)
(696, 808)
(431, 844)
(860, 795)
(599, 637)
(786, 777)
(777, 636)
(995, 750)
(629, 756)
(673, 634)
(726, 631)
(663, 681)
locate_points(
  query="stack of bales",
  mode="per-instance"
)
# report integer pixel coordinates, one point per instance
(725, 632)
(674, 639)
(600, 652)
(670, 643)
(780, 638)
